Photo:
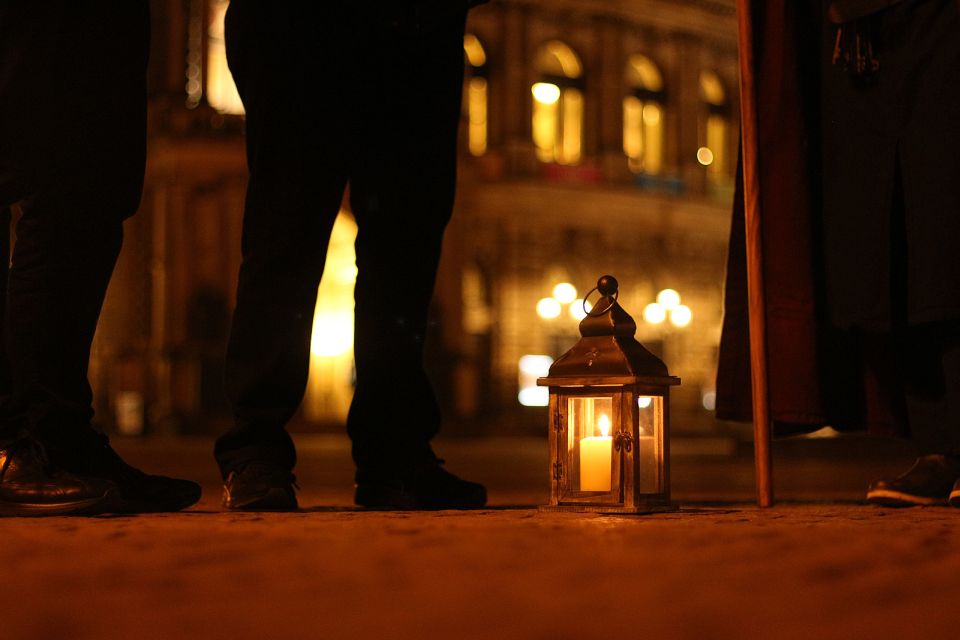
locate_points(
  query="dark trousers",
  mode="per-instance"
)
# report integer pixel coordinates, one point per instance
(933, 389)
(890, 222)
(336, 94)
(72, 152)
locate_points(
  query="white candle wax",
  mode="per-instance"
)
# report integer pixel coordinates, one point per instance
(595, 456)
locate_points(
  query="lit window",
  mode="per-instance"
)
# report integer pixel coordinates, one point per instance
(475, 95)
(558, 104)
(713, 128)
(530, 368)
(643, 117)
(221, 91)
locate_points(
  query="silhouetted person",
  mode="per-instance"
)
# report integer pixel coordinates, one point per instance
(891, 220)
(72, 152)
(858, 128)
(365, 93)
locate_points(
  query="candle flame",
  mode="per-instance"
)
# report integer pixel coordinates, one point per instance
(603, 423)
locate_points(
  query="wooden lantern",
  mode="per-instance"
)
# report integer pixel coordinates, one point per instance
(609, 417)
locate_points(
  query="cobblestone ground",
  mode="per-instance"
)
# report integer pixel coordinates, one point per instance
(814, 570)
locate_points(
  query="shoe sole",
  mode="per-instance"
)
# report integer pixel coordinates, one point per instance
(127, 506)
(890, 498)
(107, 503)
(273, 500)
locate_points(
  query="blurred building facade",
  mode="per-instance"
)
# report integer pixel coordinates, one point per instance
(598, 136)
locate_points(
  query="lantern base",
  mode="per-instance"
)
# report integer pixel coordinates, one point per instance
(613, 509)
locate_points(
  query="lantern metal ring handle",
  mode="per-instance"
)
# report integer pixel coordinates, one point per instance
(608, 287)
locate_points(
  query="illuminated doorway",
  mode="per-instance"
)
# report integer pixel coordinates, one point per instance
(330, 385)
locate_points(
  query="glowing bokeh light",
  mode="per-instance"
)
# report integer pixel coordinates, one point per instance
(565, 293)
(668, 299)
(545, 92)
(654, 313)
(579, 309)
(681, 315)
(548, 308)
(535, 365)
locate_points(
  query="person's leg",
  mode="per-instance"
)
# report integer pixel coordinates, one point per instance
(61, 265)
(927, 55)
(297, 178)
(910, 360)
(407, 104)
(402, 188)
(931, 229)
(68, 240)
(28, 484)
(29, 83)
(933, 377)
(89, 121)
(930, 364)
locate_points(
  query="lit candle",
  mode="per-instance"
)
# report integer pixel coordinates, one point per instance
(595, 456)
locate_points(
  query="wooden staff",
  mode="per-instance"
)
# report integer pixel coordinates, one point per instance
(757, 307)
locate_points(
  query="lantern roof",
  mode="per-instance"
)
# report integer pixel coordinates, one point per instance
(607, 352)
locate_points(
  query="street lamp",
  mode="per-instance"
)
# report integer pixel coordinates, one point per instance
(668, 306)
(548, 308)
(563, 294)
(609, 417)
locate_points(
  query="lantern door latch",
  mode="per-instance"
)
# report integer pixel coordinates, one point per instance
(557, 470)
(623, 442)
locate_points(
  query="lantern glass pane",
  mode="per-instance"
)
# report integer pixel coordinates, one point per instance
(649, 448)
(590, 443)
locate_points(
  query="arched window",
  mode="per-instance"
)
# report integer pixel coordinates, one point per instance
(558, 104)
(643, 116)
(713, 127)
(475, 94)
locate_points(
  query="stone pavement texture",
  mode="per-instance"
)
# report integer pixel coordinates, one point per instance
(799, 570)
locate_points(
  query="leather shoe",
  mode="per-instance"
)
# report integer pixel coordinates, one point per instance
(139, 492)
(955, 494)
(260, 486)
(928, 482)
(30, 486)
(426, 486)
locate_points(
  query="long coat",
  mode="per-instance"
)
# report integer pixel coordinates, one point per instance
(817, 373)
